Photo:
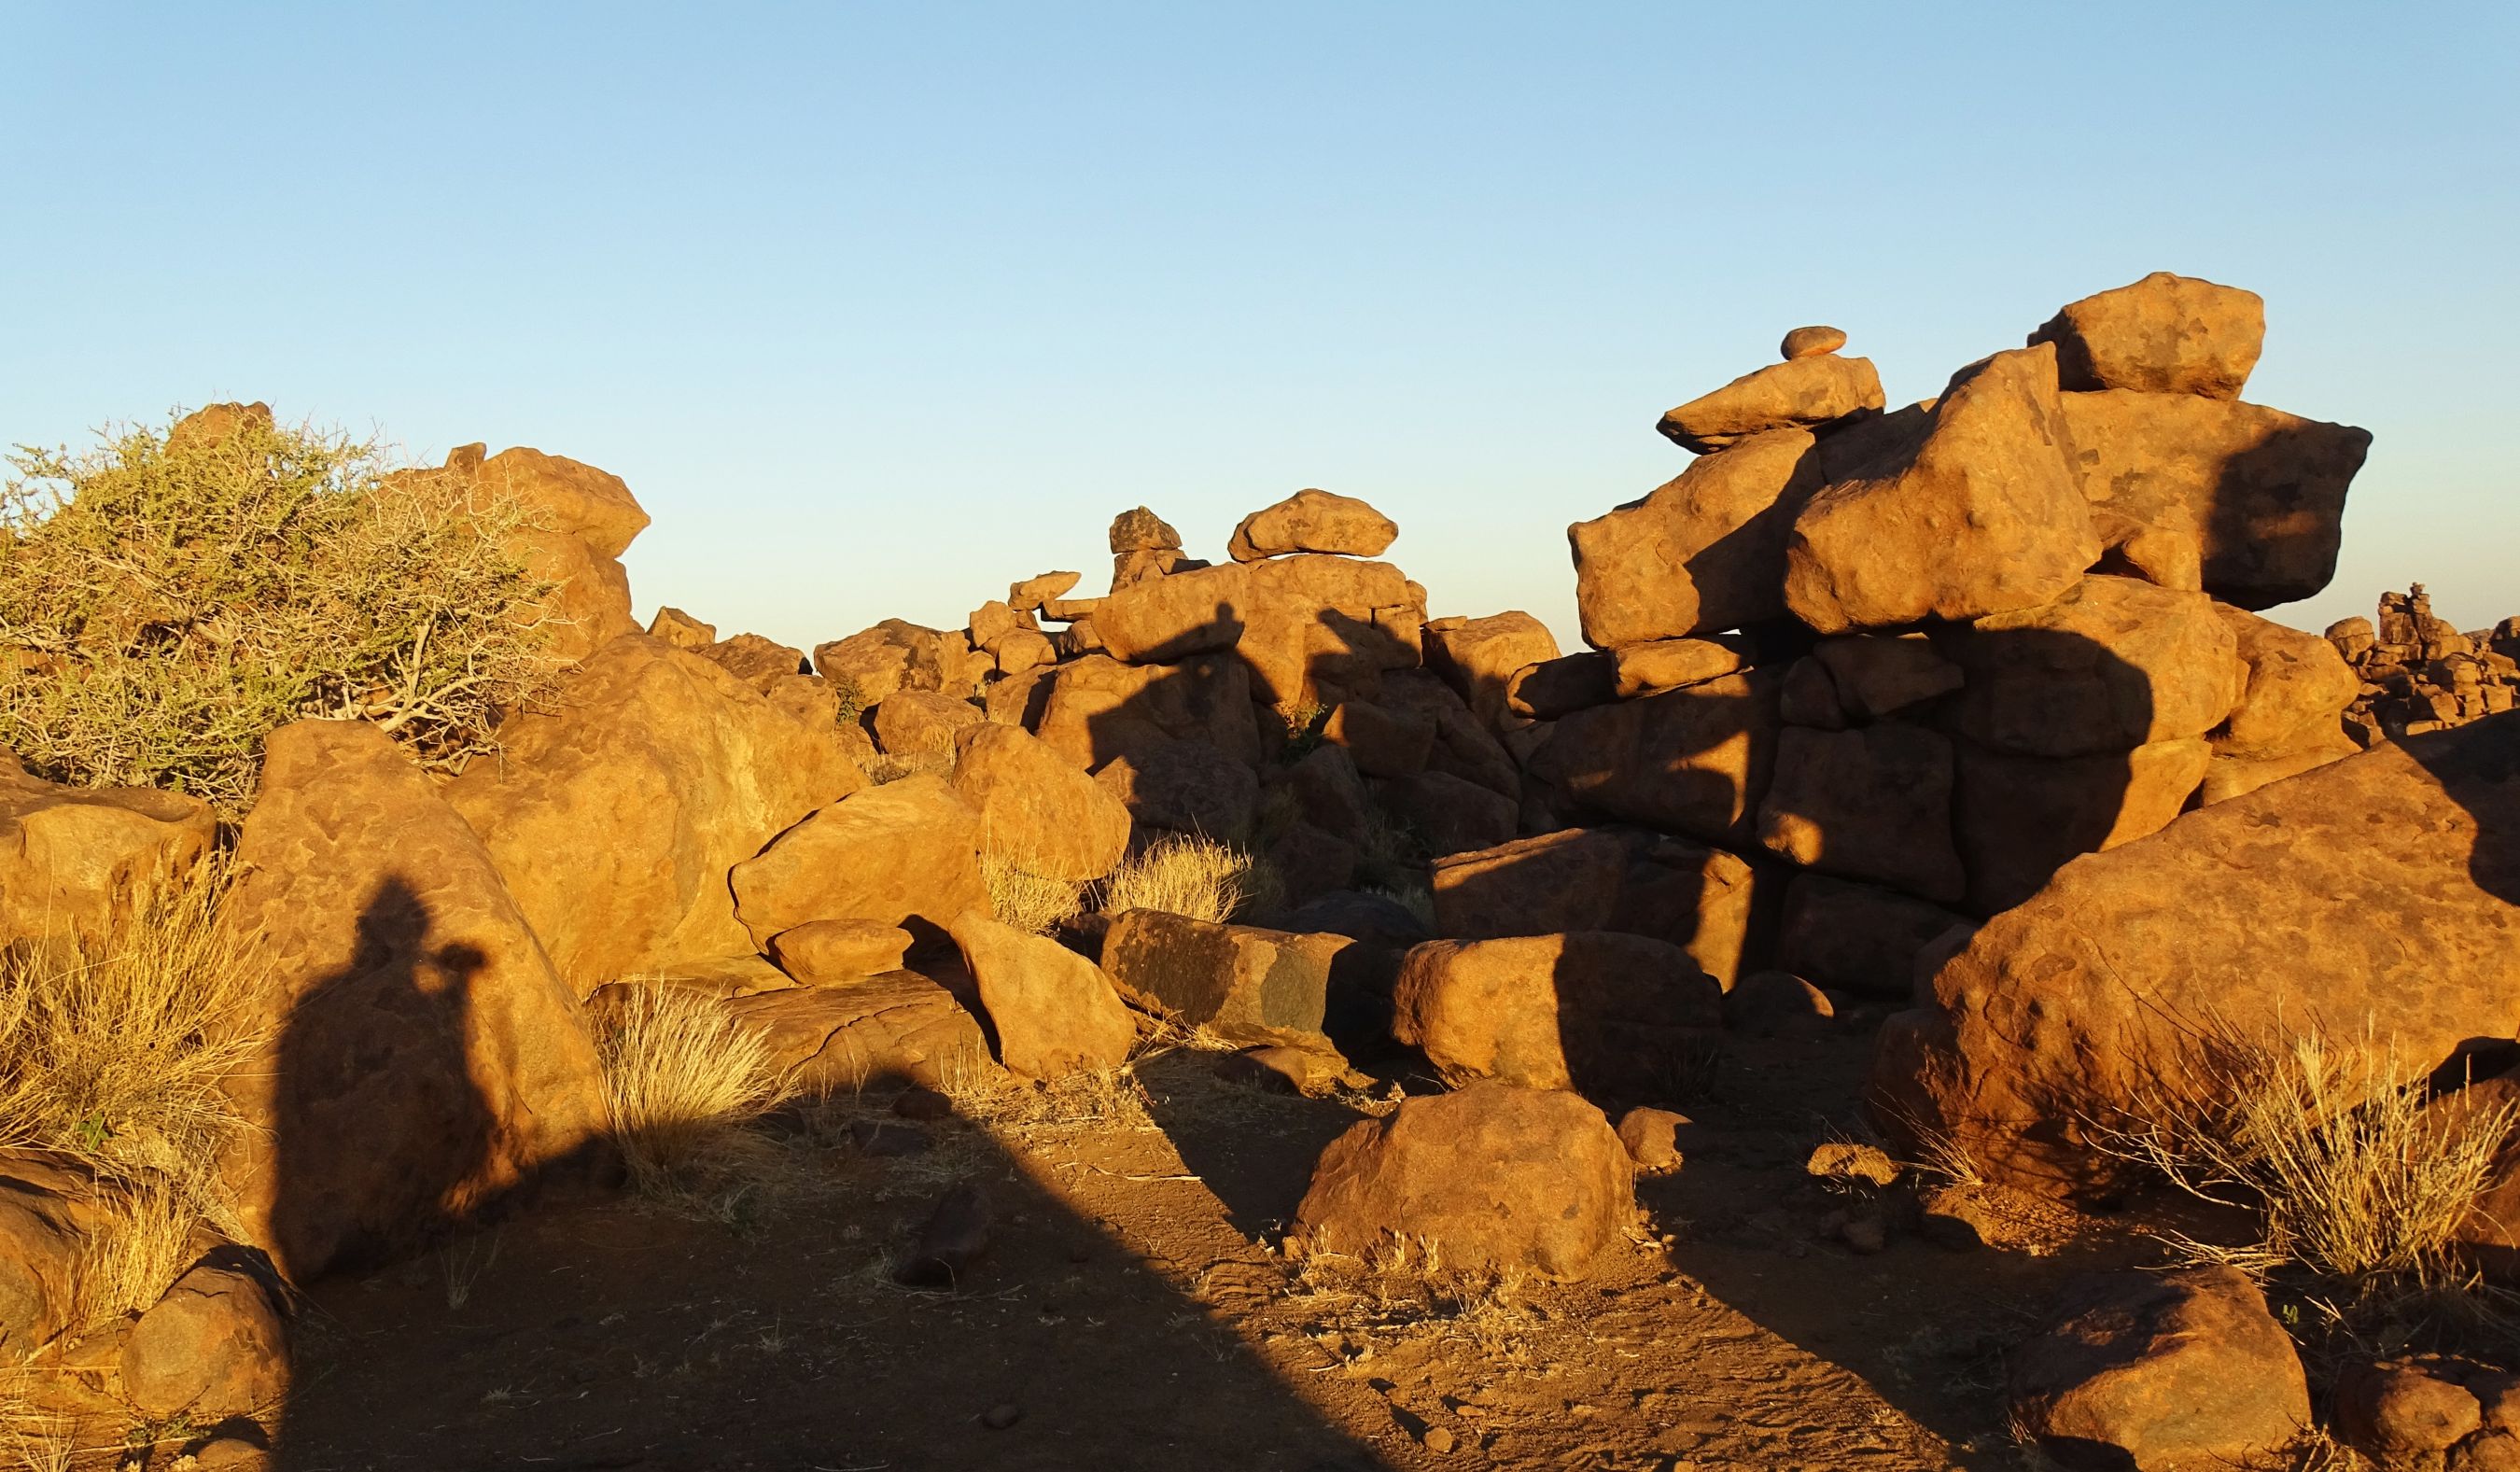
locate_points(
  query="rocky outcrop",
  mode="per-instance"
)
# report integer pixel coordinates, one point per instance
(1494, 1176)
(426, 1060)
(2420, 674)
(73, 858)
(903, 852)
(2376, 899)
(617, 815)
(580, 520)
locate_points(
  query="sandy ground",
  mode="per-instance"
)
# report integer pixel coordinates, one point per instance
(1135, 1309)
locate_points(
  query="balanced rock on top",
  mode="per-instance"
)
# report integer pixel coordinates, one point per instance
(1313, 520)
(1797, 394)
(2165, 334)
(1811, 342)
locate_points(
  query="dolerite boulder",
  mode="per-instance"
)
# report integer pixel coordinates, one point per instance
(1054, 1011)
(1322, 629)
(1184, 788)
(1163, 619)
(1450, 814)
(1478, 656)
(1097, 709)
(1036, 810)
(425, 1057)
(1028, 596)
(2376, 899)
(1242, 983)
(1313, 520)
(1593, 1010)
(43, 1248)
(2162, 1374)
(1869, 804)
(893, 656)
(825, 953)
(919, 726)
(891, 1028)
(679, 629)
(1614, 879)
(1463, 746)
(2260, 493)
(1874, 674)
(1800, 393)
(1704, 552)
(1968, 507)
(215, 1346)
(1553, 688)
(2163, 335)
(2019, 819)
(905, 851)
(615, 815)
(1644, 669)
(759, 662)
(1693, 761)
(1382, 741)
(71, 856)
(582, 521)
(2113, 664)
(1497, 1176)
(1858, 937)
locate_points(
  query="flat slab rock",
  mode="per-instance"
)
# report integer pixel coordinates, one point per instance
(899, 1027)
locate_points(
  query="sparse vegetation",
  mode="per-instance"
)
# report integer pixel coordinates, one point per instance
(1027, 901)
(685, 1079)
(2332, 1145)
(113, 1050)
(182, 595)
(1181, 875)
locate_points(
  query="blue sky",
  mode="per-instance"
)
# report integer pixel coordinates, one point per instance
(878, 309)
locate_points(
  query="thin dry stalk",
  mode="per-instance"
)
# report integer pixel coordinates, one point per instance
(685, 1079)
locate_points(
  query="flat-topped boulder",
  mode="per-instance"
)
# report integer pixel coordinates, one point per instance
(1313, 520)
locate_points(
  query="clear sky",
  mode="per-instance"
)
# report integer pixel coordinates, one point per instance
(881, 308)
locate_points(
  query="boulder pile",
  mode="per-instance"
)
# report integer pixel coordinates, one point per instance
(2420, 674)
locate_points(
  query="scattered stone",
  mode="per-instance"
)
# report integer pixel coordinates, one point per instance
(2406, 1408)
(1313, 1071)
(1437, 1440)
(1778, 1004)
(1811, 342)
(1653, 1138)
(1498, 1176)
(2163, 1371)
(1313, 520)
(2163, 335)
(954, 1238)
(1851, 1161)
(1000, 1417)
(1802, 393)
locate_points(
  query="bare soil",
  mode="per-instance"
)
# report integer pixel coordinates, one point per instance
(1136, 1309)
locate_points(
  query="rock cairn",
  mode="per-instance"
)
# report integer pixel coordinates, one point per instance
(2420, 674)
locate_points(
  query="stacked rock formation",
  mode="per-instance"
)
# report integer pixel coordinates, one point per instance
(2420, 674)
(1907, 664)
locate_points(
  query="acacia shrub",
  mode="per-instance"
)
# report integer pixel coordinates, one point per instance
(170, 597)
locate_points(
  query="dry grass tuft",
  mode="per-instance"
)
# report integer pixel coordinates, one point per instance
(2332, 1144)
(685, 1079)
(35, 1436)
(113, 1048)
(1180, 874)
(1027, 901)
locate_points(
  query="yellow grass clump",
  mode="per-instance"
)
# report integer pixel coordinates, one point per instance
(1027, 901)
(683, 1078)
(1181, 875)
(2338, 1146)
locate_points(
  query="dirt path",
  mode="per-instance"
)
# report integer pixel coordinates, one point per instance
(1133, 1311)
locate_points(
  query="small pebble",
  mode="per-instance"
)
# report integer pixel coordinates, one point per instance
(1437, 1440)
(1003, 1415)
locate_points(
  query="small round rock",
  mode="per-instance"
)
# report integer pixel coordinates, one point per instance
(1812, 342)
(1437, 1440)
(1002, 1416)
